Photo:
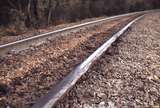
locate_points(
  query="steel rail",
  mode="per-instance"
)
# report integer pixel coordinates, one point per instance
(25, 43)
(49, 100)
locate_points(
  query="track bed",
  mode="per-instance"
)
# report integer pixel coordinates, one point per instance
(28, 75)
(127, 75)
(9, 38)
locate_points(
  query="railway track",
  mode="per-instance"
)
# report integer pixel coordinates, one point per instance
(126, 75)
(69, 81)
(28, 84)
(39, 39)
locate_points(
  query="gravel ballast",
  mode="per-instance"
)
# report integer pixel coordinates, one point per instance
(28, 75)
(127, 75)
(33, 32)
